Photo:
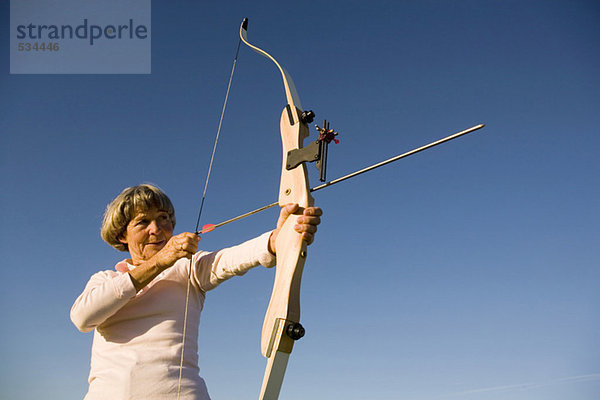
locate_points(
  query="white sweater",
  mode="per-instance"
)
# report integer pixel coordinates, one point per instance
(138, 337)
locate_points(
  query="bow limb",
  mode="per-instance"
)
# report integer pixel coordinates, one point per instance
(290, 90)
(281, 325)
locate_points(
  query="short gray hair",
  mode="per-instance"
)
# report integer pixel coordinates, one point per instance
(124, 208)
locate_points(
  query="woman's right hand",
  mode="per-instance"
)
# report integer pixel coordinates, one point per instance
(179, 246)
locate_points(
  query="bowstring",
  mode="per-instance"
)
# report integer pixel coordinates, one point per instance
(212, 157)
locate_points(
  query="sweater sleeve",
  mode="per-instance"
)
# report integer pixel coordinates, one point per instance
(105, 293)
(211, 269)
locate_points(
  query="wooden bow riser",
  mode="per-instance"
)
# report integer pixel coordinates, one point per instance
(284, 306)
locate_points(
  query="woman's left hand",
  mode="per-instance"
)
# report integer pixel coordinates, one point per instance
(306, 224)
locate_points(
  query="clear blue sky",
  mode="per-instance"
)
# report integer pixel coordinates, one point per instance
(466, 272)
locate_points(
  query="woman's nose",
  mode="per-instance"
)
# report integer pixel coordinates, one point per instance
(154, 226)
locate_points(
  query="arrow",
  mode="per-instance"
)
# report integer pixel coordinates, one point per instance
(210, 227)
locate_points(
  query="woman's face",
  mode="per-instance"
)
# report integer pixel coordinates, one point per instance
(147, 233)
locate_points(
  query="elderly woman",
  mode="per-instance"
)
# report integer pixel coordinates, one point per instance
(137, 310)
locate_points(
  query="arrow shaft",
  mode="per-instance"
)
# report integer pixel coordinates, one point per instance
(239, 217)
(361, 171)
(398, 157)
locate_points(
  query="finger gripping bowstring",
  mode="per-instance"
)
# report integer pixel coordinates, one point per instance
(212, 157)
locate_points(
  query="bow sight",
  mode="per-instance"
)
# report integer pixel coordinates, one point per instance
(315, 151)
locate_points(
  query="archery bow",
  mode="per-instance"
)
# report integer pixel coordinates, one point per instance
(281, 326)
